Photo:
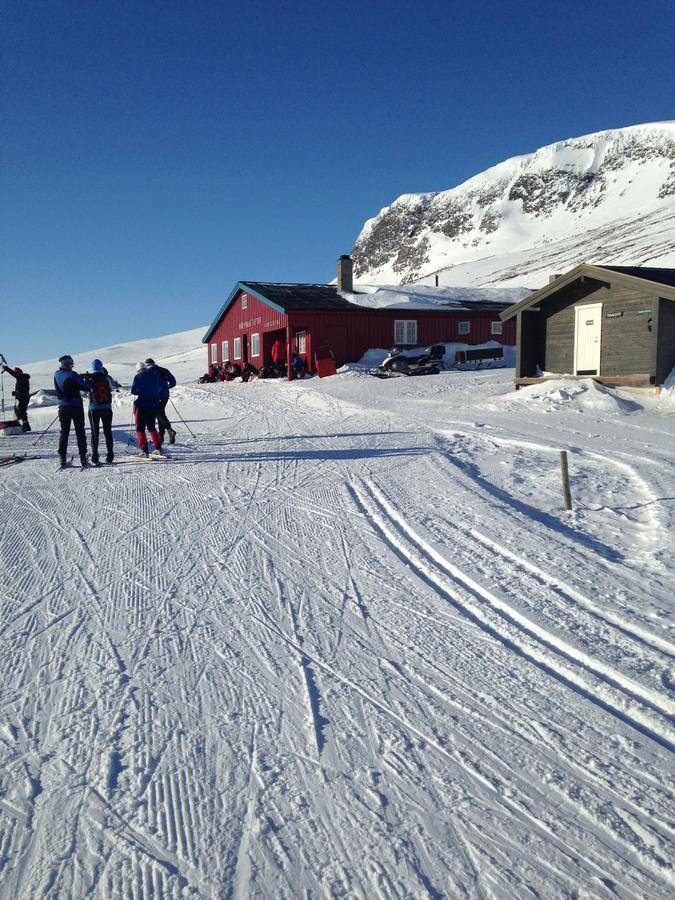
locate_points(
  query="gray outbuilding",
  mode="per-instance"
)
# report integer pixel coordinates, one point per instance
(615, 324)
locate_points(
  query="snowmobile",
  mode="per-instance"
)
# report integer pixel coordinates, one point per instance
(430, 362)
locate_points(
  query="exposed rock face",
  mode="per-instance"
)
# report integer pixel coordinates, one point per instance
(609, 186)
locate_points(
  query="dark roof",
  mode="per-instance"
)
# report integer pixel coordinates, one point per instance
(660, 276)
(326, 296)
(300, 296)
(627, 275)
(317, 297)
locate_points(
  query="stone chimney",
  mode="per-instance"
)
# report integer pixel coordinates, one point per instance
(345, 281)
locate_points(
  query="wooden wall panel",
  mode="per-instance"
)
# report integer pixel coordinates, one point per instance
(665, 357)
(627, 343)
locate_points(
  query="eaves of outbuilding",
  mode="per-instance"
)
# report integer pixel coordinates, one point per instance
(661, 283)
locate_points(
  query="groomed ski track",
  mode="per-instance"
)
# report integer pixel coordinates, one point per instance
(335, 648)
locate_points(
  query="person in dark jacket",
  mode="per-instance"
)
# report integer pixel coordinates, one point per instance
(101, 386)
(147, 388)
(21, 393)
(68, 385)
(168, 382)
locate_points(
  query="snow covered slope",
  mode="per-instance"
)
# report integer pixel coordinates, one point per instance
(344, 642)
(602, 198)
(183, 353)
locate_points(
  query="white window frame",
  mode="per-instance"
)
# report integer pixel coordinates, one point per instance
(244, 301)
(301, 341)
(225, 346)
(464, 328)
(255, 344)
(237, 348)
(496, 327)
(405, 331)
(214, 354)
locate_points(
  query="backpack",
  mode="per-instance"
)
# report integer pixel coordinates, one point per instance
(100, 389)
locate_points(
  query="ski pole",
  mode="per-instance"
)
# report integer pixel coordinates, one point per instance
(131, 425)
(2, 383)
(46, 430)
(183, 421)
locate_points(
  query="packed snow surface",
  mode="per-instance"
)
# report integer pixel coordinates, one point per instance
(344, 642)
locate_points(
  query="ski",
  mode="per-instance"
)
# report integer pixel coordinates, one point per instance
(68, 465)
(8, 460)
(163, 458)
(17, 457)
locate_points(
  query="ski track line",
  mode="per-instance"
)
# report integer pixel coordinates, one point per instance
(535, 739)
(521, 812)
(632, 716)
(468, 428)
(630, 630)
(312, 698)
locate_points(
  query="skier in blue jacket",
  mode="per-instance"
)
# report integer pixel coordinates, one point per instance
(68, 385)
(147, 387)
(168, 382)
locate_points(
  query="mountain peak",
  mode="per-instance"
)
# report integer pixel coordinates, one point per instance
(603, 197)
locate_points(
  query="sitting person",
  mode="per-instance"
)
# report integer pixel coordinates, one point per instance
(248, 372)
(298, 366)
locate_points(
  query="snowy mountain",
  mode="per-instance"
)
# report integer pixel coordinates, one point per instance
(607, 197)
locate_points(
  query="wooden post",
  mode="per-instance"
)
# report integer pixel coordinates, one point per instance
(564, 471)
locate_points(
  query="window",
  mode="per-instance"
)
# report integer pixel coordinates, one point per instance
(214, 354)
(464, 328)
(496, 327)
(226, 351)
(405, 331)
(255, 345)
(237, 348)
(244, 301)
(301, 341)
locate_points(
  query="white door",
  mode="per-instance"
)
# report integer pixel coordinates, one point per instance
(587, 329)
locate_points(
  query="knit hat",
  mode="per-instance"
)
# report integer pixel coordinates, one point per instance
(150, 362)
(66, 360)
(96, 365)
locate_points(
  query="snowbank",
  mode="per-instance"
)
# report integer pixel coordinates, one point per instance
(572, 395)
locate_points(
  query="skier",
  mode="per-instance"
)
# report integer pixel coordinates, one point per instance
(21, 393)
(68, 385)
(147, 388)
(168, 382)
(100, 408)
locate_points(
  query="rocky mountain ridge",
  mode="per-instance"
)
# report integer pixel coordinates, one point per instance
(607, 198)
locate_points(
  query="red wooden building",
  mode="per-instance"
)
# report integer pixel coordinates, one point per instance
(312, 317)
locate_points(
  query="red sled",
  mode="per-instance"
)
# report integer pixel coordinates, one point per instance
(325, 362)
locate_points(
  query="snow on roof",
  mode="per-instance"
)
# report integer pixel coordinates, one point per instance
(426, 297)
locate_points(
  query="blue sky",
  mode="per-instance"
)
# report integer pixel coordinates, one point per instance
(154, 153)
